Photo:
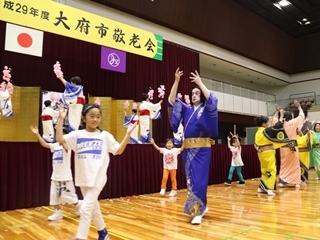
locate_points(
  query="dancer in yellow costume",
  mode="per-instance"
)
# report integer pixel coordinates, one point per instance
(267, 139)
(304, 141)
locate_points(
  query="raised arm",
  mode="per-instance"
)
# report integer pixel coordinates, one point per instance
(197, 80)
(297, 105)
(174, 89)
(235, 136)
(228, 138)
(59, 128)
(62, 80)
(126, 139)
(154, 144)
(275, 117)
(237, 141)
(281, 115)
(40, 139)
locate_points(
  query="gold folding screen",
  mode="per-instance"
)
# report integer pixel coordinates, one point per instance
(25, 104)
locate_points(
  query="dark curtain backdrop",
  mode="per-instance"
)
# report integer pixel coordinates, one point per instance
(25, 171)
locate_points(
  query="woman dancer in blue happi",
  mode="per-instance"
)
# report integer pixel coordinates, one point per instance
(72, 97)
(200, 122)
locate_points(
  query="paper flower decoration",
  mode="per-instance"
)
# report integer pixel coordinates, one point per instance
(57, 69)
(150, 94)
(57, 97)
(97, 101)
(161, 91)
(52, 97)
(134, 106)
(126, 104)
(6, 74)
(187, 99)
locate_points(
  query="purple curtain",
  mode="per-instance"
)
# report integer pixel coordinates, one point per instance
(25, 171)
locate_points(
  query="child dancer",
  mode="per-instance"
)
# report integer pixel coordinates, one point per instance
(62, 188)
(6, 90)
(92, 147)
(48, 115)
(71, 97)
(147, 111)
(170, 165)
(236, 160)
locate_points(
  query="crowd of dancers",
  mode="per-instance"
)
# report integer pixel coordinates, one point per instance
(195, 122)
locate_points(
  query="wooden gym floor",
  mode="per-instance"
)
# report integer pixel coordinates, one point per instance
(235, 212)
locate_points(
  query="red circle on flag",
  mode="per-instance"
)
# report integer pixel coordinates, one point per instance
(24, 40)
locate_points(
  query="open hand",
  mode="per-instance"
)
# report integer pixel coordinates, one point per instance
(178, 73)
(196, 78)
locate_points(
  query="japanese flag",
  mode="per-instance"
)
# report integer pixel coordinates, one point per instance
(23, 40)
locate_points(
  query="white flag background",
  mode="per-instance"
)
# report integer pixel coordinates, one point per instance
(23, 40)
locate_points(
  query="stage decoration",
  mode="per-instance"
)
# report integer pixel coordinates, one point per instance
(57, 69)
(126, 104)
(161, 91)
(55, 100)
(97, 101)
(150, 94)
(134, 106)
(6, 74)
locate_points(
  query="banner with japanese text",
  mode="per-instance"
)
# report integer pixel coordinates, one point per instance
(64, 20)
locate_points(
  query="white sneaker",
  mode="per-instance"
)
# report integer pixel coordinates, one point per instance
(260, 190)
(317, 178)
(173, 193)
(198, 219)
(78, 207)
(57, 215)
(163, 191)
(282, 185)
(270, 193)
(297, 185)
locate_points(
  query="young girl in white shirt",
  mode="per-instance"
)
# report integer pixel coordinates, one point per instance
(92, 147)
(236, 160)
(170, 165)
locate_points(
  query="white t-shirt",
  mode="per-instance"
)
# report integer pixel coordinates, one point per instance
(236, 156)
(170, 160)
(91, 156)
(61, 163)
